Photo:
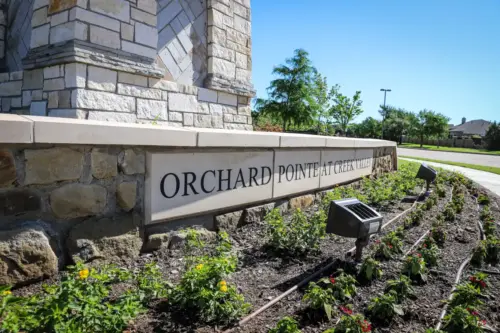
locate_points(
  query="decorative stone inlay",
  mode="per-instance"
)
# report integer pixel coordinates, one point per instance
(132, 162)
(126, 195)
(78, 200)
(26, 255)
(104, 164)
(45, 166)
(106, 240)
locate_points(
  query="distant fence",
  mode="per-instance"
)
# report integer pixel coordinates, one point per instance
(454, 142)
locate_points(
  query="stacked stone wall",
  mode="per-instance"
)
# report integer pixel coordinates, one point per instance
(65, 203)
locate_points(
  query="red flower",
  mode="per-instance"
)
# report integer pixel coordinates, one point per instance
(377, 241)
(472, 278)
(390, 246)
(418, 255)
(332, 280)
(483, 284)
(483, 322)
(345, 310)
(366, 326)
(425, 245)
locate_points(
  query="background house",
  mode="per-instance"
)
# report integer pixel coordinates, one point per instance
(477, 127)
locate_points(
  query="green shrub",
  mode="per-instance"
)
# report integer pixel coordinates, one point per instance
(429, 254)
(415, 268)
(449, 212)
(203, 292)
(80, 303)
(489, 228)
(486, 214)
(319, 297)
(479, 254)
(463, 320)
(441, 191)
(466, 294)
(458, 203)
(439, 236)
(370, 270)
(385, 307)
(492, 250)
(479, 280)
(394, 240)
(401, 287)
(299, 236)
(483, 199)
(286, 325)
(343, 286)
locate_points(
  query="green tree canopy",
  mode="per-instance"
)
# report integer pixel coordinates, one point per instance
(291, 93)
(493, 136)
(427, 124)
(368, 128)
(344, 110)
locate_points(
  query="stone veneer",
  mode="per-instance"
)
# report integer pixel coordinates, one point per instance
(74, 190)
(185, 63)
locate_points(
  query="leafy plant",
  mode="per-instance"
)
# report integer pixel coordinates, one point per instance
(429, 254)
(394, 240)
(343, 286)
(203, 292)
(439, 236)
(458, 202)
(461, 320)
(483, 199)
(479, 254)
(320, 298)
(486, 214)
(299, 236)
(151, 284)
(400, 232)
(385, 307)
(433, 330)
(79, 303)
(492, 250)
(401, 287)
(441, 191)
(351, 324)
(449, 212)
(286, 325)
(466, 294)
(415, 268)
(430, 202)
(478, 280)
(383, 251)
(370, 270)
(489, 228)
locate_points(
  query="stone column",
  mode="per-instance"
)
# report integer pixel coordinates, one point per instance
(117, 34)
(229, 47)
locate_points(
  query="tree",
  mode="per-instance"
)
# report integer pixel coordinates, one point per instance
(492, 136)
(320, 98)
(368, 128)
(427, 124)
(396, 124)
(290, 95)
(345, 110)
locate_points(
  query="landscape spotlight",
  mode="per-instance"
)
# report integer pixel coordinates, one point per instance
(428, 174)
(352, 218)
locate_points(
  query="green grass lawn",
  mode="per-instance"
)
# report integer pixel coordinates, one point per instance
(452, 149)
(465, 165)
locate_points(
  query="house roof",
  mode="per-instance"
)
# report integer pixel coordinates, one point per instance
(473, 127)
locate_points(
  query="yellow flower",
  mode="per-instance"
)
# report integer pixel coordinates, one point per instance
(84, 273)
(7, 293)
(223, 288)
(223, 283)
(200, 266)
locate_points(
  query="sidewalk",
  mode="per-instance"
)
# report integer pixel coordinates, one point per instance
(487, 179)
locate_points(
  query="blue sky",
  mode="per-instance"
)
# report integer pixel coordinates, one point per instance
(441, 55)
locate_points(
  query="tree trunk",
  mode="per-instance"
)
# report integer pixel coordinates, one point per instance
(421, 141)
(284, 125)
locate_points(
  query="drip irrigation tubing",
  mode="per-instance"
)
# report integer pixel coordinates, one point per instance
(427, 232)
(313, 276)
(459, 275)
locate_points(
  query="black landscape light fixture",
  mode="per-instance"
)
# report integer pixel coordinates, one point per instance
(352, 218)
(428, 174)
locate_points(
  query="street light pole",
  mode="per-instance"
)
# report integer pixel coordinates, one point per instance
(383, 119)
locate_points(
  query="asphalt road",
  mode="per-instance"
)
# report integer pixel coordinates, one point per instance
(488, 160)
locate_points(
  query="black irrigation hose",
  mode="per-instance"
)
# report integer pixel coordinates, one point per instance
(309, 278)
(427, 232)
(459, 274)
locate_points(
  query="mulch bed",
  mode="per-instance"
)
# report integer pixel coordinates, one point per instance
(261, 276)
